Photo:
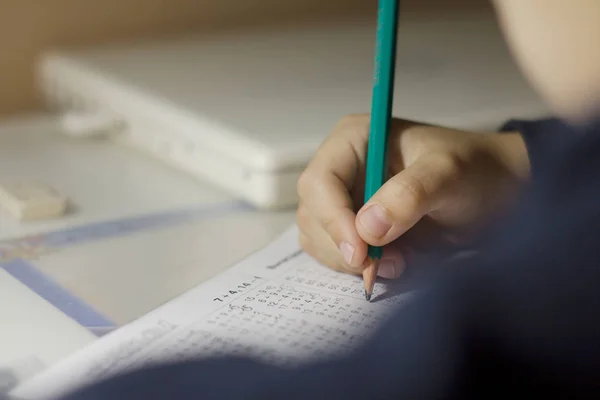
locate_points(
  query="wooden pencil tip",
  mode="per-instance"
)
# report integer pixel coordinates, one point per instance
(369, 277)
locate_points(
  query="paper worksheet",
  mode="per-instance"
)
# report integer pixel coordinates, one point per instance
(278, 305)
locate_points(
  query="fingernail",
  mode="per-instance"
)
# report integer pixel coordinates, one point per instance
(374, 220)
(387, 269)
(347, 251)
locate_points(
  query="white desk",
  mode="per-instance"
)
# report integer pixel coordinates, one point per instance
(104, 181)
(108, 182)
(34, 333)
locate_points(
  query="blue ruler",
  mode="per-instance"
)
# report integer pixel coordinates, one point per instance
(17, 255)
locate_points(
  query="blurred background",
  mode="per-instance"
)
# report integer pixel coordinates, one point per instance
(28, 27)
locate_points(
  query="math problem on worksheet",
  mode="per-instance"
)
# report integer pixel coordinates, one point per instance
(279, 306)
(230, 293)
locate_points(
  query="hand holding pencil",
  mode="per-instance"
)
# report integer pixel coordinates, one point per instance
(442, 181)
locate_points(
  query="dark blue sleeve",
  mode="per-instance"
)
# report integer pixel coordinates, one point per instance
(542, 137)
(521, 317)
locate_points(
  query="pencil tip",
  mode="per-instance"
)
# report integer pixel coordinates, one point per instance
(367, 296)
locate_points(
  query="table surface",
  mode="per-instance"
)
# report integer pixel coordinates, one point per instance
(122, 277)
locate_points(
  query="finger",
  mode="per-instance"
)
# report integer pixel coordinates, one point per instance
(324, 256)
(392, 263)
(319, 245)
(327, 182)
(404, 199)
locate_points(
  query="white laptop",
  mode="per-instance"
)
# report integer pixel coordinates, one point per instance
(247, 110)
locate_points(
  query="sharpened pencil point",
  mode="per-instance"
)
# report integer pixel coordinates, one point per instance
(367, 296)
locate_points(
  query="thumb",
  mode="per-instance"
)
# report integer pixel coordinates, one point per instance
(405, 198)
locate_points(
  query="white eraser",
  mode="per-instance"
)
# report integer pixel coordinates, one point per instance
(31, 201)
(89, 124)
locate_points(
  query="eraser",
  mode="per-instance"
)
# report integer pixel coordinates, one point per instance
(32, 201)
(89, 124)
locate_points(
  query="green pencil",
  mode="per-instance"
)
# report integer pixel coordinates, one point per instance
(381, 117)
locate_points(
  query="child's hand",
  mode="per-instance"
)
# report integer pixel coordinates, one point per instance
(444, 185)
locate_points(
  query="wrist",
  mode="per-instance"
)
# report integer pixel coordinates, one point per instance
(511, 151)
